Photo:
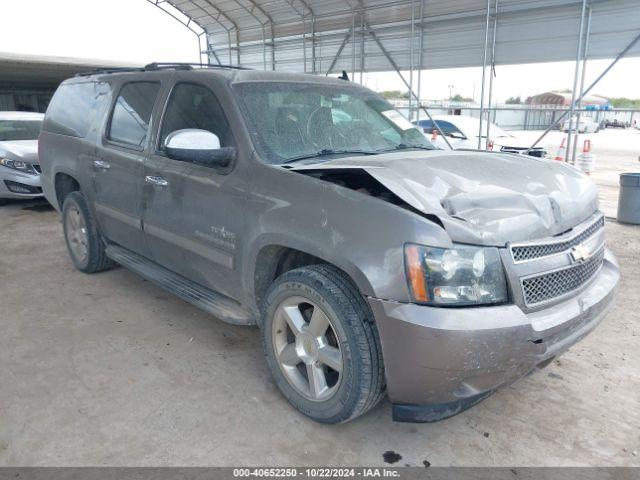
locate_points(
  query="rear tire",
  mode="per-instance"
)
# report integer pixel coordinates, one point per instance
(322, 345)
(84, 243)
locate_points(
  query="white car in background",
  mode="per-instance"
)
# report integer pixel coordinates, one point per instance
(19, 166)
(462, 133)
(586, 125)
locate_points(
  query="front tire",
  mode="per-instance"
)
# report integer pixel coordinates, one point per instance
(84, 242)
(322, 345)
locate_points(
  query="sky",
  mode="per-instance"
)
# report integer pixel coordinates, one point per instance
(136, 31)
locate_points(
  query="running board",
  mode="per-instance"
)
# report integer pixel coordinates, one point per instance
(208, 300)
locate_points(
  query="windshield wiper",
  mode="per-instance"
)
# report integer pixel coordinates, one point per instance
(329, 151)
(404, 146)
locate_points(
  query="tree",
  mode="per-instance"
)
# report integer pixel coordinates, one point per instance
(459, 98)
(623, 102)
(513, 101)
(395, 95)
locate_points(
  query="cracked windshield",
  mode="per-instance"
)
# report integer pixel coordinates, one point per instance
(296, 121)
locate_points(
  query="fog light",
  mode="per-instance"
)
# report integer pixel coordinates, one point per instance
(16, 187)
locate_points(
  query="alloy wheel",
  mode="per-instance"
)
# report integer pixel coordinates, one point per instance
(307, 348)
(76, 229)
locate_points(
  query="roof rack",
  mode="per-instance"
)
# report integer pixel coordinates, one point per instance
(155, 66)
(189, 66)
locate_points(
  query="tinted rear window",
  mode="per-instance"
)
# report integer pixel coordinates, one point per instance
(76, 108)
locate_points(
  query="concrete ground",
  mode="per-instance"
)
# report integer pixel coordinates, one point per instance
(616, 150)
(108, 369)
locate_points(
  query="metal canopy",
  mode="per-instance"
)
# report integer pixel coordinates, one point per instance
(321, 35)
(18, 71)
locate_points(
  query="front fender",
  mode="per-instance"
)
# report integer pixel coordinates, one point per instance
(360, 234)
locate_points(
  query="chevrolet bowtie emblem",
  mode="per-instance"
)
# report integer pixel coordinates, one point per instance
(580, 253)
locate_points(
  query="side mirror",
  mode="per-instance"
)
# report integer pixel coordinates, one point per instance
(198, 146)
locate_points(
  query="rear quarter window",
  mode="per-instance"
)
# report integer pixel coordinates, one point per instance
(77, 108)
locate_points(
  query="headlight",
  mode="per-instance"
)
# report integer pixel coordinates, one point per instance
(17, 165)
(455, 276)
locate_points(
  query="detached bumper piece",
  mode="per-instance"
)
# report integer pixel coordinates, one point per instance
(434, 412)
(22, 188)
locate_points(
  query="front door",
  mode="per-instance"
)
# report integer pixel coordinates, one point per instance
(118, 165)
(193, 214)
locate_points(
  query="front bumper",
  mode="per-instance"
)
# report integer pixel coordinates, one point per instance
(440, 361)
(15, 184)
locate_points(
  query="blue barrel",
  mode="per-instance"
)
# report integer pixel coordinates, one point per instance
(629, 199)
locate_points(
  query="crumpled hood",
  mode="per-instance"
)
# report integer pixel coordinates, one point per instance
(483, 198)
(23, 150)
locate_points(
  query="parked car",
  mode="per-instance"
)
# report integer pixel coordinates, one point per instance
(371, 261)
(462, 133)
(614, 123)
(19, 167)
(586, 125)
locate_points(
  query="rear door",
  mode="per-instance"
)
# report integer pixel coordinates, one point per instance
(193, 214)
(118, 164)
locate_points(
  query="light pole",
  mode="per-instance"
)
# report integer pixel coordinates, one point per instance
(450, 91)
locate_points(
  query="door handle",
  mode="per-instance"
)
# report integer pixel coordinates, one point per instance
(155, 180)
(101, 164)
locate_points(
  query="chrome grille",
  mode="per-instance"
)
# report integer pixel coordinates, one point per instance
(552, 285)
(523, 253)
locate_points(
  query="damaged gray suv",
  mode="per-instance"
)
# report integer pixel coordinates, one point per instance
(372, 262)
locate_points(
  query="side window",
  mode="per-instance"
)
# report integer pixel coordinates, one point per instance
(449, 129)
(426, 125)
(195, 106)
(76, 108)
(132, 113)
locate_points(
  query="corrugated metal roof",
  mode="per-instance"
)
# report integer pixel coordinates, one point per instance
(37, 71)
(306, 35)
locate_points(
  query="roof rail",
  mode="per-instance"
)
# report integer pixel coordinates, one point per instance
(189, 66)
(97, 71)
(151, 67)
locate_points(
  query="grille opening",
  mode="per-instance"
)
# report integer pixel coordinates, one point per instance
(552, 285)
(523, 253)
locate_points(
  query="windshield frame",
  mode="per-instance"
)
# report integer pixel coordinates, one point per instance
(320, 155)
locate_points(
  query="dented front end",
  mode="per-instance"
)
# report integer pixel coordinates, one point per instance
(542, 217)
(479, 198)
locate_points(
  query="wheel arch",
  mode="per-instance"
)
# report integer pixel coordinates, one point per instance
(64, 184)
(273, 257)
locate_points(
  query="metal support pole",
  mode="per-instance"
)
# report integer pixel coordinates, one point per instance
(313, 44)
(353, 46)
(340, 49)
(585, 54)
(492, 72)
(362, 31)
(588, 89)
(273, 49)
(412, 34)
(484, 69)
(304, 44)
(420, 59)
(264, 49)
(411, 92)
(575, 79)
